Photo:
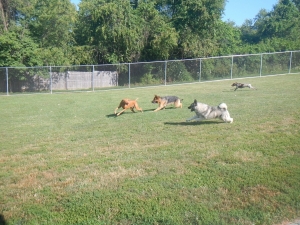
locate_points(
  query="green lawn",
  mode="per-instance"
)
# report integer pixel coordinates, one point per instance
(66, 159)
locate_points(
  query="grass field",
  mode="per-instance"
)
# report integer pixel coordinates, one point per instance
(66, 159)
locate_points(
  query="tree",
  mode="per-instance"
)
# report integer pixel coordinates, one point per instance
(281, 22)
(12, 12)
(196, 23)
(4, 8)
(18, 49)
(228, 38)
(159, 37)
(51, 23)
(111, 28)
(249, 29)
(297, 3)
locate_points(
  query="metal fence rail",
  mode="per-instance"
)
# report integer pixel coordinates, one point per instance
(126, 75)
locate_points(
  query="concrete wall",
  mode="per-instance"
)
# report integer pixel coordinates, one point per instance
(76, 80)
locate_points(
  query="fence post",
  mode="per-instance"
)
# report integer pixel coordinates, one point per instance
(231, 67)
(50, 79)
(200, 70)
(93, 78)
(290, 62)
(6, 70)
(260, 64)
(128, 75)
(165, 73)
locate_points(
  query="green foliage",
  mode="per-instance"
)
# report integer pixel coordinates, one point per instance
(192, 46)
(13, 12)
(250, 28)
(51, 23)
(160, 38)
(177, 72)
(18, 49)
(148, 78)
(297, 3)
(246, 66)
(195, 21)
(54, 56)
(281, 21)
(228, 39)
(113, 29)
(276, 30)
(216, 68)
(81, 55)
(117, 31)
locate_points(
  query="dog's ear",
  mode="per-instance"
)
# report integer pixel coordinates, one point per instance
(195, 101)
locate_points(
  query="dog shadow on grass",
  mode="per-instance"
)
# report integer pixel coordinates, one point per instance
(232, 90)
(144, 111)
(2, 220)
(193, 123)
(127, 113)
(111, 115)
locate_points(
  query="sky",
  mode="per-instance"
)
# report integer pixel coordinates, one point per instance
(239, 10)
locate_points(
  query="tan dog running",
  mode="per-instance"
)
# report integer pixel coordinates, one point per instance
(128, 104)
(166, 100)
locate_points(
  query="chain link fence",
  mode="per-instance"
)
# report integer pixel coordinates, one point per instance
(127, 75)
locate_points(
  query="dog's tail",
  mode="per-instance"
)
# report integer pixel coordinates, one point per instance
(223, 106)
(225, 114)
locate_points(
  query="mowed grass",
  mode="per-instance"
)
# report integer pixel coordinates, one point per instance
(66, 159)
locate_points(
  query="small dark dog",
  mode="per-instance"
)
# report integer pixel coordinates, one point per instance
(166, 100)
(240, 85)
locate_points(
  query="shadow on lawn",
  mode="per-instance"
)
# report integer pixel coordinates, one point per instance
(232, 90)
(129, 112)
(193, 123)
(2, 220)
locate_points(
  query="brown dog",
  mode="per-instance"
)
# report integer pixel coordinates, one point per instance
(166, 100)
(128, 104)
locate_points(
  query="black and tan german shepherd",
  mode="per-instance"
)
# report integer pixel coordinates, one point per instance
(166, 100)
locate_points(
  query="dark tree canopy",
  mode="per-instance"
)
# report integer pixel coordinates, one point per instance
(54, 32)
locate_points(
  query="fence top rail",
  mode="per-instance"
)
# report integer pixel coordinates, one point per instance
(175, 60)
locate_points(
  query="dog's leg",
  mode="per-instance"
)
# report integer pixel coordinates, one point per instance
(159, 108)
(138, 108)
(178, 104)
(121, 112)
(250, 86)
(236, 88)
(116, 109)
(226, 117)
(161, 105)
(196, 118)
